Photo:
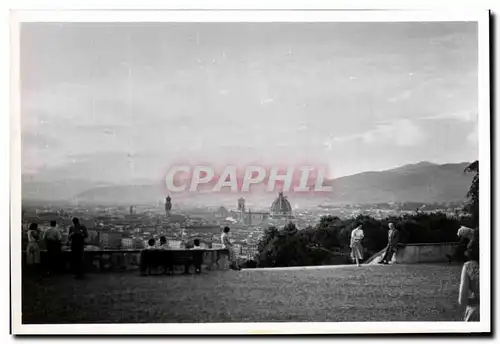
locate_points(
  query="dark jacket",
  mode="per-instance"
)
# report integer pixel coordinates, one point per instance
(77, 235)
(393, 237)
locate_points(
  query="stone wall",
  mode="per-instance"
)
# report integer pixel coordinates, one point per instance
(425, 253)
(124, 260)
(417, 253)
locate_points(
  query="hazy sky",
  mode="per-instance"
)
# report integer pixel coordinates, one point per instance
(118, 102)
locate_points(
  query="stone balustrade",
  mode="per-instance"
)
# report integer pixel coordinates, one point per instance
(129, 259)
(418, 253)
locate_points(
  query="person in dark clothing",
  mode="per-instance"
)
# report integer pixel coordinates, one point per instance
(147, 258)
(197, 256)
(163, 242)
(53, 239)
(392, 244)
(77, 235)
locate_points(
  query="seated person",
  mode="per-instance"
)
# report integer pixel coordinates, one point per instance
(151, 244)
(163, 243)
(197, 256)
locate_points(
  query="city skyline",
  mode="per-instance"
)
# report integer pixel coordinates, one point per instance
(122, 102)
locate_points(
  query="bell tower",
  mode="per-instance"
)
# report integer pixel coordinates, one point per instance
(241, 209)
(168, 206)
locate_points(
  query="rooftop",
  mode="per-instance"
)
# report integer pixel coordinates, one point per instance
(342, 293)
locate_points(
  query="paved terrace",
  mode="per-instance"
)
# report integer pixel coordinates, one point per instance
(341, 293)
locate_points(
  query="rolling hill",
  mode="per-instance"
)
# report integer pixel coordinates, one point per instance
(423, 182)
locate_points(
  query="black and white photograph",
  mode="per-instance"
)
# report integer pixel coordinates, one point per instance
(218, 172)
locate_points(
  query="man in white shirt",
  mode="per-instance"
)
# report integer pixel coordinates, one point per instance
(227, 244)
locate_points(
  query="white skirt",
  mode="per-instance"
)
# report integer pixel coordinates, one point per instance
(357, 251)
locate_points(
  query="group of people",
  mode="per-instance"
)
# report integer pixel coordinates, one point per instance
(52, 238)
(167, 260)
(467, 251)
(357, 250)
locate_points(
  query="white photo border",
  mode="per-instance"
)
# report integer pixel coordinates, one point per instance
(481, 17)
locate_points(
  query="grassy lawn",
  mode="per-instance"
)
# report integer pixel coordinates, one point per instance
(368, 293)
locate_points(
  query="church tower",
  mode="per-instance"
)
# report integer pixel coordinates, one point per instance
(241, 209)
(168, 206)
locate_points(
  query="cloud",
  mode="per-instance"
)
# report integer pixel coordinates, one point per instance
(463, 116)
(302, 128)
(402, 132)
(400, 97)
(266, 101)
(473, 137)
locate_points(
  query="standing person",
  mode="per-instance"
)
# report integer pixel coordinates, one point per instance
(147, 259)
(52, 240)
(392, 244)
(228, 245)
(33, 249)
(197, 256)
(77, 235)
(468, 297)
(357, 236)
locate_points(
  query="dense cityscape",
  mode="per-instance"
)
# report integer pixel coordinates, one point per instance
(119, 227)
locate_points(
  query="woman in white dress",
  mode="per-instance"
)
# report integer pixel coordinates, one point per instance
(357, 236)
(33, 249)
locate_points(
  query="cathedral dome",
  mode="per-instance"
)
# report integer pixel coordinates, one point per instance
(281, 206)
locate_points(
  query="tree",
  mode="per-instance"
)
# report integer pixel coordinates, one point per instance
(472, 206)
(269, 234)
(265, 249)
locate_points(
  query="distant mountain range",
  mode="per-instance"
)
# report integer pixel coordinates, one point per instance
(422, 182)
